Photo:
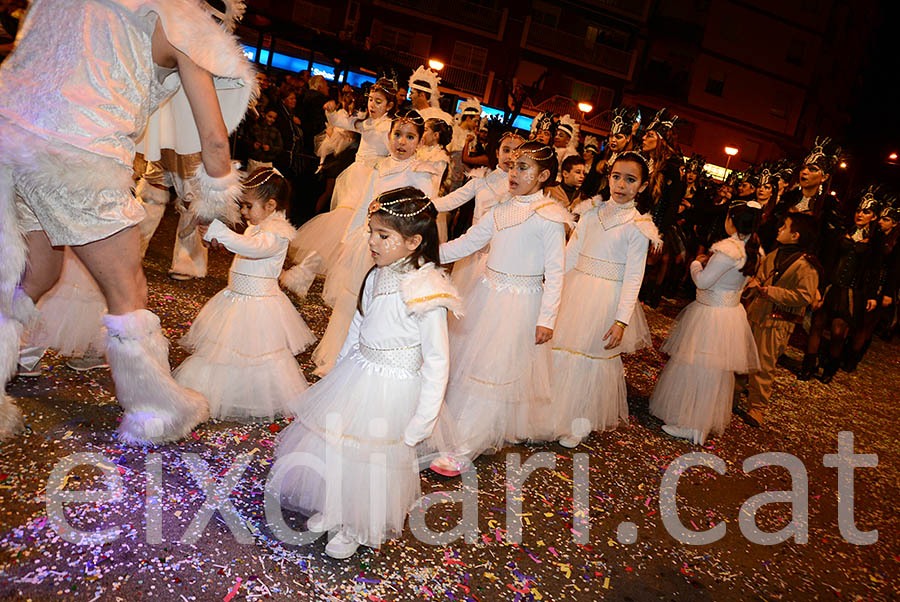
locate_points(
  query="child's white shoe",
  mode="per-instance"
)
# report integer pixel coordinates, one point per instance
(683, 433)
(570, 441)
(341, 546)
(316, 523)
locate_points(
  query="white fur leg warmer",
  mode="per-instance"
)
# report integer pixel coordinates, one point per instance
(147, 226)
(157, 409)
(215, 198)
(10, 418)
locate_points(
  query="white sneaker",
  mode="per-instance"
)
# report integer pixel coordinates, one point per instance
(85, 364)
(341, 546)
(446, 466)
(570, 441)
(316, 523)
(29, 372)
(682, 432)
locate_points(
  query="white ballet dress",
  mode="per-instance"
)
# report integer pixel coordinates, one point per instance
(244, 340)
(605, 259)
(711, 340)
(354, 257)
(487, 188)
(364, 419)
(497, 371)
(323, 233)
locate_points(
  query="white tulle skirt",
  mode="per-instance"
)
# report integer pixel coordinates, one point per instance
(243, 355)
(353, 262)
(71, 318)
(322, 235)
(707, 345)
(467, 272)
(694, 397)
(714, 337)
(589, 380)
(351, 183)
(353, 421)
(497, 373)
(341, 291)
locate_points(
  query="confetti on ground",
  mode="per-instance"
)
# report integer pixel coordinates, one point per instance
(68, 412)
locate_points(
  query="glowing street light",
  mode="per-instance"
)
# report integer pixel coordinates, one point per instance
(585, 107)
(892, 156)
(435, 64)
(843, 165)
(730, 151)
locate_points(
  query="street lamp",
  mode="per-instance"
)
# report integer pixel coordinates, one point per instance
(585, 107)
(435, 64)
(843, 165)
(730, 151)
(892, 156)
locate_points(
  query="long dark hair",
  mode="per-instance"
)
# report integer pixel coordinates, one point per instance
(642, 201)
(443, 130)
(746, 220)
(544, 156)
(409, 211)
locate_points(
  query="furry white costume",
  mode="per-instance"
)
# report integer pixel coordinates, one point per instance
(77, 93)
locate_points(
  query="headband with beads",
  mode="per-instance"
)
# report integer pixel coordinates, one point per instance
(269, 172)
(410, 116)
(538, 154)
(376, 206)
(631, 154)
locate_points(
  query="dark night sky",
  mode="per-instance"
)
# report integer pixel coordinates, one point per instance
(875, 123)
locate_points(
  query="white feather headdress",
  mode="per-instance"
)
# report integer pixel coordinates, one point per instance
(468, 107)
(568, 125)
(432, 80)
(234, 12)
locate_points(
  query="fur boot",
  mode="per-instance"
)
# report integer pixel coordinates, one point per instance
(157, 409)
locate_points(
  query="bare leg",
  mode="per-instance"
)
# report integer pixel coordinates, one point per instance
(44, 265)
(115, 263)
(156, 408)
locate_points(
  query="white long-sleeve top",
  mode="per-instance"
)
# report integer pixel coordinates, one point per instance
(389, 174)
(403, 308)
(373, 142)
(527, 236)
(260, 250)
(609, 232)
(487, 192)
(723, 270)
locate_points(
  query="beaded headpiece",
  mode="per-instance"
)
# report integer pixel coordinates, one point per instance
(663, 122)
(568, 125)
(409, 116)
(542, 153)
(379, 205)
(387, 85)
(591, 143)
(263, 175)
(891, 208)
(633, 154)
(766, 176)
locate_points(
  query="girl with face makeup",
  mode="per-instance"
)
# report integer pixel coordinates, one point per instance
(501, 365)
(320, 237)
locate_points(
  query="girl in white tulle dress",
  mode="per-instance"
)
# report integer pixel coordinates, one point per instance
(711, 339)
(487, 187)
(364, 419)
(501, 360)
(600, 318)
(244, 340)
(323, 233)
(401, 168)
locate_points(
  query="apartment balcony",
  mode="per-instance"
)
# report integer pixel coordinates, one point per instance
(461, 14)
(634, 9)
(571, 48)
(598, 120)
(462, 80)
